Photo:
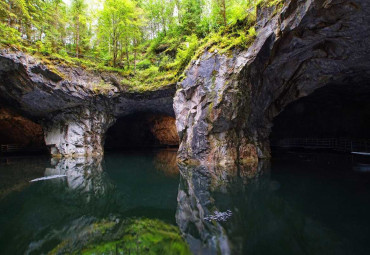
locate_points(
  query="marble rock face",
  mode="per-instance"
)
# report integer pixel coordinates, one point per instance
(65, 102)
(226, 103)
(77, 133)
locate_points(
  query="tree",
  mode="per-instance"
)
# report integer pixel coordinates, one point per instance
(191, 15)
(79, 23)
(118, 22)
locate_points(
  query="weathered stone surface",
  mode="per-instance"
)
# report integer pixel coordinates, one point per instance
(164, 129)
(65, 101)
(225, 105)
(77, 133)
(15, 129)
(142, 130)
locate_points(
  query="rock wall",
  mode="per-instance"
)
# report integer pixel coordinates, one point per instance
(142, 130)
(15, 129)
(164, 129)
(226, 104)
(79, 132)
(68, 103)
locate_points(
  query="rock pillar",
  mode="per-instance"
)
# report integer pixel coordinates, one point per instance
(77, 133)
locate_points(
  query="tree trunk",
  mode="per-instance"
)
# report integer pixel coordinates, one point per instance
(223, 4)
(10, 11)
(77, 36)
(135, 45)
(127, 55)
(114, 52)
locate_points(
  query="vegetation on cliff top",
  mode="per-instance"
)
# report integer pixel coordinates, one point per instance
(148, 42)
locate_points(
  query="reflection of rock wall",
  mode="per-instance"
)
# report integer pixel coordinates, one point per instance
(196, 201)
(165, 161)
(84, 174)
(15, 129)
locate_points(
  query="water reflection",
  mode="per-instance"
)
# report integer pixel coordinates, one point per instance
(16, 172)
(95, 191)
(205, 190)
(165, 161)
(143, 203)
(262, 222)
(84, 176)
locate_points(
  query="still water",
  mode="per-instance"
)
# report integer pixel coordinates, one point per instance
(143, 203)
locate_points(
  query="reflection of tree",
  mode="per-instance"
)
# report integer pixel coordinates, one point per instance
(165, 161)
(261, 223)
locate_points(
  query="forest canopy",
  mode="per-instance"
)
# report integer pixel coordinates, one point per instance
(149, 42)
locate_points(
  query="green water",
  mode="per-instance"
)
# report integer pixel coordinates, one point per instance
(143, 203)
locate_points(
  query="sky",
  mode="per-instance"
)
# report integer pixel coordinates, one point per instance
(93, 4)
(90, 3)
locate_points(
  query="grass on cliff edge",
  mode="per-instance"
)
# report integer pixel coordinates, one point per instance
(161, 61)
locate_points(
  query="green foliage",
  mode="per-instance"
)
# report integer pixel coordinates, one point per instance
(9, 35)
(144, 64)
(185, 52)
(102, 88)
(148, 42)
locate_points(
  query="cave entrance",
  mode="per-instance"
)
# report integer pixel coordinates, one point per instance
(142, 130)
(334, 117)
(19, 135)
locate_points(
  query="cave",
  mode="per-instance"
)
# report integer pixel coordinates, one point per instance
(142, 130)
(19, 135)
(334, 117)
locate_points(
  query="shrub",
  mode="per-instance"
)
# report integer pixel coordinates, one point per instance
(9, 35)
(186, 52)
(144, 64)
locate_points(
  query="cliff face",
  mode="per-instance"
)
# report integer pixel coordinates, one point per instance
(225, 105)
(75, 107)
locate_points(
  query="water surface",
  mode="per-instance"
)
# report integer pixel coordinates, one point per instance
(143, 203)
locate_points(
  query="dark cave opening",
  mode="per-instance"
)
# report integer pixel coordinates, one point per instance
(334, 117)
(20, 135)
(142, 130)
